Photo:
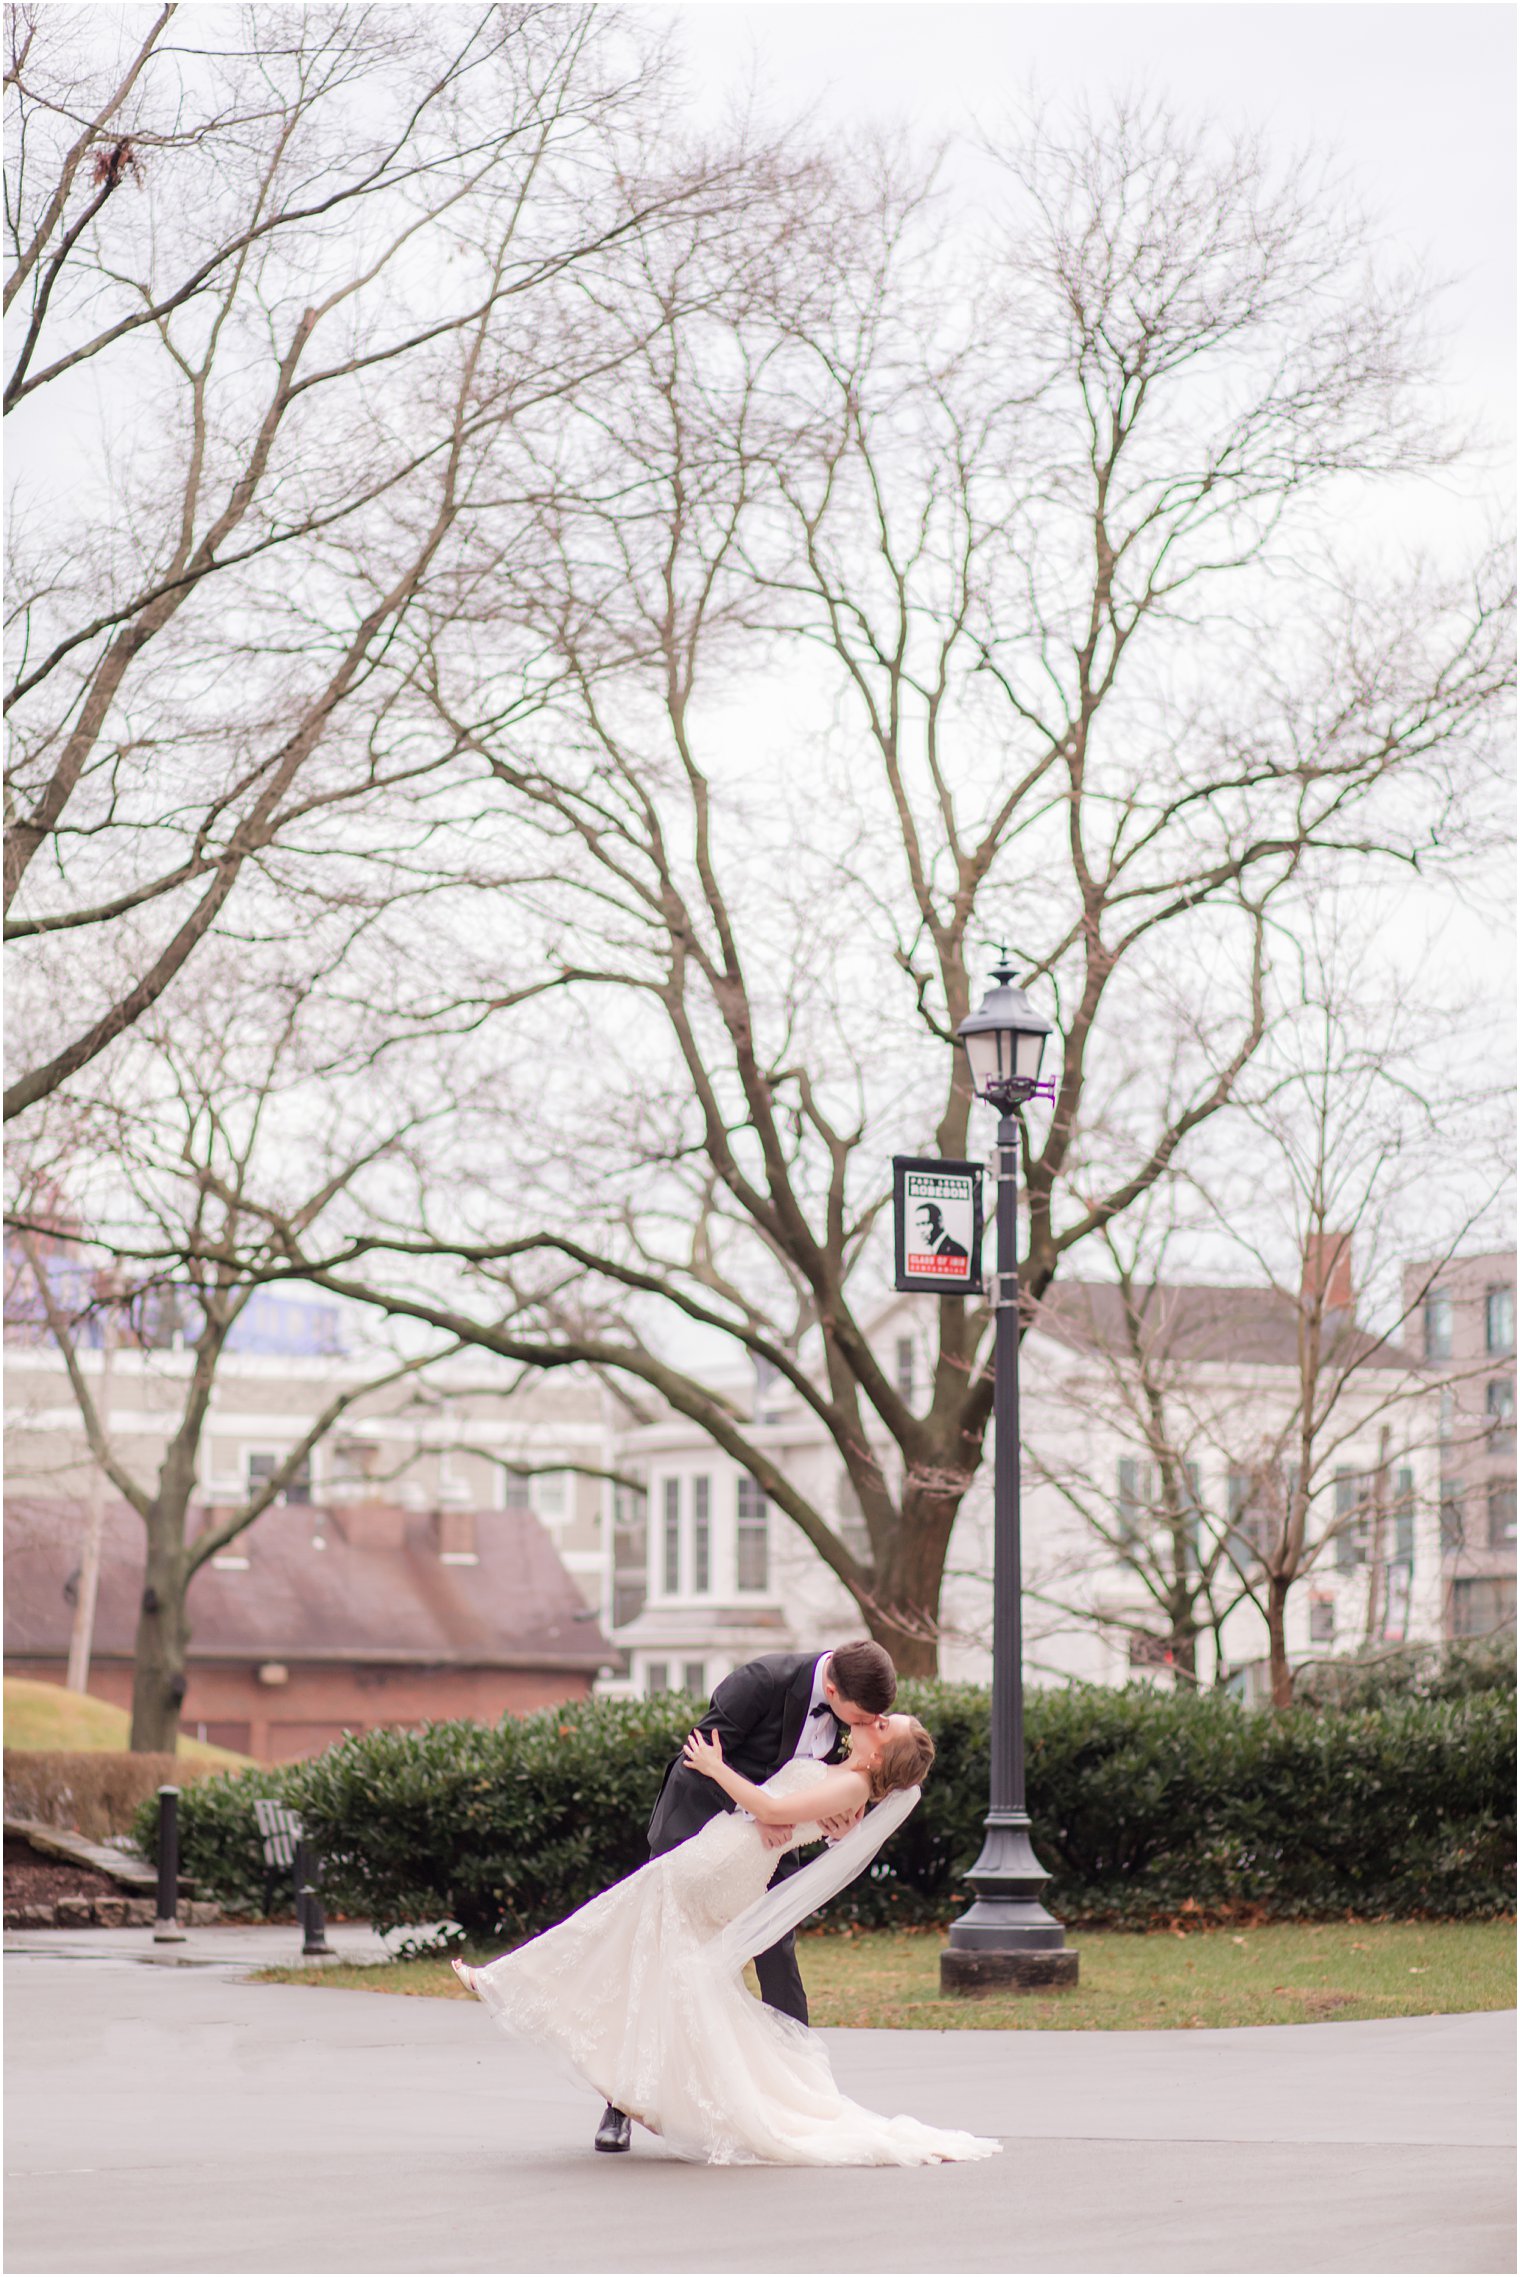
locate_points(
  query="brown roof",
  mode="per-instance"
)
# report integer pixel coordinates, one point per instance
(382, 1596)
(1194, 1322)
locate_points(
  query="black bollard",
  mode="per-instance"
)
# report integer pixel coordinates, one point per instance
(166, 1929)
(309, 1906)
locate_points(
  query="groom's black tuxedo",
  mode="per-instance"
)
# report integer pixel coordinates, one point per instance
(758, 1714)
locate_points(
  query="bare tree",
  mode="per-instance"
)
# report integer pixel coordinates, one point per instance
(1348, 1132)
(1054, 592)
(146, 1187)
(288, 282)
(1136, 1344)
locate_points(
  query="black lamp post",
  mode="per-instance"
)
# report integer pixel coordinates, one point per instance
(1006, 1941)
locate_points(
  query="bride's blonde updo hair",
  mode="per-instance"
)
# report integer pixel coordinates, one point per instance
(903, 1762)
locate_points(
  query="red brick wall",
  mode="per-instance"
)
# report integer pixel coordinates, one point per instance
(276, 1723)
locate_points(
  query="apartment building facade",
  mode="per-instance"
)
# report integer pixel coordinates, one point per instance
(681, 1569)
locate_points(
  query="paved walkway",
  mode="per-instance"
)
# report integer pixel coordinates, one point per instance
(177, 2119)
(237, 1944)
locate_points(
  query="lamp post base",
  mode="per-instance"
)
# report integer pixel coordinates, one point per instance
(1006, 1941)
(973, 1975)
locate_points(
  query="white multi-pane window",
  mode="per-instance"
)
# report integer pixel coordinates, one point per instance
(1136, 1491)
(752, 1561)
(670, 1538)
(1403, 1516)
(701, 1537)
(1438, 1325)
(694, 1676)
(630, 1563)
(551, 1497)
(1353, 1503)
(1499, 1320)
(261, 1469)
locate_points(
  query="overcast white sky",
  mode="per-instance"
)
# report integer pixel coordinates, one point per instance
(1418, 98)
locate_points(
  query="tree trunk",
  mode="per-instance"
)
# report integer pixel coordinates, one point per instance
(1277, 1642)
(904, 1612)
(163, 1639)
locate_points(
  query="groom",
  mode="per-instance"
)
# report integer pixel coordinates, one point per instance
(783, 1705)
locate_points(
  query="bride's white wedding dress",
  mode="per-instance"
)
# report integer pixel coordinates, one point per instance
(636, 1993)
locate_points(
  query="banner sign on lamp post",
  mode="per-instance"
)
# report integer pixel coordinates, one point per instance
(937, 1224)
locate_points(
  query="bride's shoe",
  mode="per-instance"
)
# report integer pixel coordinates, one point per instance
(465, 1974)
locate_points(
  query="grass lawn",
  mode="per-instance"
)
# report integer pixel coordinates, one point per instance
(48, 1716)
(1286, 1974)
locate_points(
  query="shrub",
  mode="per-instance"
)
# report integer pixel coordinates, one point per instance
(1145, 1804)
(219, 1845)
(1457, 1671)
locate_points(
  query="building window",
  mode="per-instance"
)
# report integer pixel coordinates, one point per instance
(1322, 1620)
(1499, 1320)
(905, 1368)
(1480, 1607)
(1501, 1514)
(1192, 1511)
(1246, 1539)
(694, 1677)
(1499, 1399)
(630, 1553)
(671, 1538)
(1350, 1520)
(551, 1499)
(1135, 1490)
(701, 1538)
(1403, 1517)
(853, 1530)
(1148, 1651)
(261, 1469)
(656, 1676)
(753, 1559)
(516, 1491)
(1446, 1427)
(770, 1386)
(1438, 1325)
(1453, 1516)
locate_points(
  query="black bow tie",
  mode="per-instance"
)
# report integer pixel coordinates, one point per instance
(824, 1710)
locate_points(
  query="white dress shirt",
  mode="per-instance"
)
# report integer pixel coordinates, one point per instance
(818, 1733)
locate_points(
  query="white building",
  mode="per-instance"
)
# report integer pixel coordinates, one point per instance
(706, 1575)
(695, 1573)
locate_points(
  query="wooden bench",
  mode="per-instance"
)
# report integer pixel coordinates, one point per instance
(286, 1851)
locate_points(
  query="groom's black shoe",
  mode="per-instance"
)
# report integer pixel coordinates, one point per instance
(615, 2130)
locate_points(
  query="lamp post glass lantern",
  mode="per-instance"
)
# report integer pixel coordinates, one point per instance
(1006, 1941)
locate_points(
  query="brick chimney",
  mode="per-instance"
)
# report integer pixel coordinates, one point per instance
(371, 1525)
(1327, 1272)
(454, 1532)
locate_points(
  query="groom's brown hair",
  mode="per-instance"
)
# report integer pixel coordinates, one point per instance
(863, 1672)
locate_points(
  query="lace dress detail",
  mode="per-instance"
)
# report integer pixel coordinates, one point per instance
(630, 1992)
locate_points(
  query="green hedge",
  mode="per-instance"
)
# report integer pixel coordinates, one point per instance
(1145, 1804)
(1374, 1678)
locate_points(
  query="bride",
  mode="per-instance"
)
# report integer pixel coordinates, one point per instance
(642, 1989)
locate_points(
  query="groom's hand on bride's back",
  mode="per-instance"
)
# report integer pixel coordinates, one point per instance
(776, 1837)
(833, 1828)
